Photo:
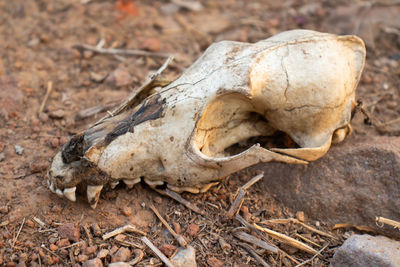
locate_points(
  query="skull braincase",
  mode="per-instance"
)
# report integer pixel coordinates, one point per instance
(300, 82)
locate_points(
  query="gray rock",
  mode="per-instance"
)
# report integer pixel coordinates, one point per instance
(93, 263)
(367, 251)
(19, 149)
(185, 258)
(353, 183)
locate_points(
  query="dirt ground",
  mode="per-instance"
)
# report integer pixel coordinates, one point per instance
(36, 40)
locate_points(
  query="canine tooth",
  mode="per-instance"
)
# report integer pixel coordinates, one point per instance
(51, 186)
(153, 184)
(131, 183)
(69, 193)
(93, 194)
(59, 193)
(114, 184)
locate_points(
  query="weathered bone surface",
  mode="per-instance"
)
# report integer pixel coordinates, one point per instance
(298, 83)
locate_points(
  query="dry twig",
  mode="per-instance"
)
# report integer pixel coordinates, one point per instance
(286, 239)
(181, 240)
(181, 200)
(46, 97)
(39, 221)
(393, 223)
(255, 241)
(123, 229)
(237, 203)
(157, 251)
(313, 257)
(19, 231)
(307, 240)
(293, 220)
(138, 257)
(114, 51)
(254, 254)
(86, 228)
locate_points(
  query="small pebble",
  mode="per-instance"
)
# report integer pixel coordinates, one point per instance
(19, 149)
(103, 253)
(151, 44)
(122, 254)
(185, 258)
(43, 117)
(120, 238)
(53, 247)
(54, 142)
(158, 200)
(177, 228)
(63, 242)
(4, 209)
(214, 262)
(93, 263)
(63, 140)
(192, 230)
(53, 240)
(300, 216)
(90, 250)
(95, 229)
(57, 114)
(69, 231)
(167, 249)
(127, 211)
(82, 258)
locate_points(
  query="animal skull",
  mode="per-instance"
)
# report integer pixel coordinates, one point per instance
(300, 82)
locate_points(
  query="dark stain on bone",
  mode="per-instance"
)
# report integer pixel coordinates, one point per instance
(74, 149)
(152, 109)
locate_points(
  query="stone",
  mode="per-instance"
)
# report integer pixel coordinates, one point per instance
(367, 251)
(214, 262)
(122, 254)
(119, 264)
(185, 258)
(150, 44)
(82, 258)
(119, 78)
(57, 114)
(192, 230)
(353, 183)
(95, 229)
(70, 231)
(19, 150)
(103, 253)
(167, 249)
(93, 263)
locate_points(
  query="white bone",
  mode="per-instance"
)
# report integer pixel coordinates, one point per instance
(299, 82)
(59, 193)
(69, 193)
(93, 194)
(114, 184)
(131, 183)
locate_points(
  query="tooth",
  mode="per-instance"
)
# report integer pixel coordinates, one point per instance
(93, 194)
(59, 193)
(51, 186)
(153, 184)
(69, 193)
(131, 183)
(114, 184)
